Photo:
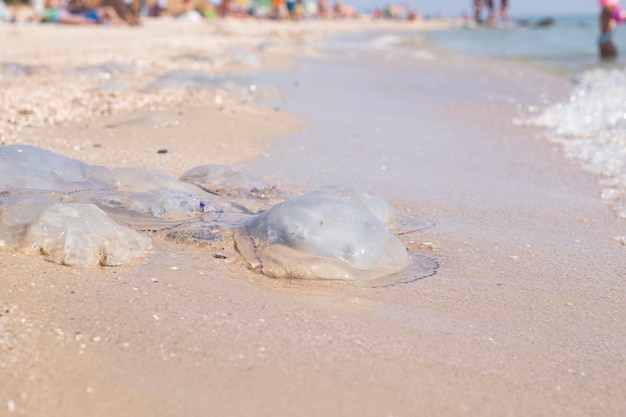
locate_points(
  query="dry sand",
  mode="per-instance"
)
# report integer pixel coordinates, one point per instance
(504, 329)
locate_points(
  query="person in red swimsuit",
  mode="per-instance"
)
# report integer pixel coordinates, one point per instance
(610, 15)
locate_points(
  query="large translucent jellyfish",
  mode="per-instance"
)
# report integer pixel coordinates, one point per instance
(225, 180)
(140, 180)
(68, 233)
(23, 166)
(137, 189)
(79, 214)
(157, 202)
(313, 237)
(54, 204)
(156, 193)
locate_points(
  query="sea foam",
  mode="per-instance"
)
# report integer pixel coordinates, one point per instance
(591, 127)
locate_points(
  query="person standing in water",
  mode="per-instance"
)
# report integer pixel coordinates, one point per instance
(497, 15)
(478, 10)
(610, 15)
(504, 11)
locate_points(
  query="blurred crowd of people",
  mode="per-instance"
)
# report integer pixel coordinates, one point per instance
(76, 12)
(130, 12)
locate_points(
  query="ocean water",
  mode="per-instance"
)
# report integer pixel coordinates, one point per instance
(590, 122)
(568, 44)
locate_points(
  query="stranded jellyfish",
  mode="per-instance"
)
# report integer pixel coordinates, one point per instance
(316, 237)
(79, 214)
(67, 233)
(225, 180)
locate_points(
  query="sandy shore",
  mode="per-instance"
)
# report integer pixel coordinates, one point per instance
(524, 316)
(69, 68)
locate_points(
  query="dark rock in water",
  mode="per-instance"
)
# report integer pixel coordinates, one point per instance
(545, 22)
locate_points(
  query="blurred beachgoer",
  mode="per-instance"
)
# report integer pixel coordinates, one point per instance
(157, 8)
(300, 9)
(322, 9)
(224, 8)
(4, 13)
(478, 10)
(18, 5)
(342, 11)
(291, 9)
(208, 10)
(189, 13)
(55, 13)
(124, 10)
(277, 8)
(498, 14)
(337, 9)
(504, 11)
(412, 15)
(114, 12)
(491, 11)
(610, 15)
(38, 6)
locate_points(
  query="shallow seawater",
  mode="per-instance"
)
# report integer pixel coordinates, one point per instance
(74, 213)
(589, 123)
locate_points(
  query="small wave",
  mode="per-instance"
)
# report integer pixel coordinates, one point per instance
(591, 127)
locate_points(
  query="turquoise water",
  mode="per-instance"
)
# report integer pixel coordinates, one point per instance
(569, 44)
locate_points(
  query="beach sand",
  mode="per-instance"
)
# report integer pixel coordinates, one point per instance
(524, 316)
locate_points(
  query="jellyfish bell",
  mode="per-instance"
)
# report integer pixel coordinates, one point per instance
(314, 237)
(221, 178)
(325, 227)
(365, 201)
(29, 167)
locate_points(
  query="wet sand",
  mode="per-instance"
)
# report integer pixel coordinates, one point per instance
(524, 316)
